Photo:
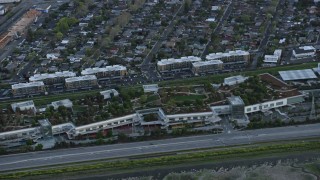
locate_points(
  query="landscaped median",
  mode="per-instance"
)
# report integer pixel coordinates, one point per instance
(210, 155)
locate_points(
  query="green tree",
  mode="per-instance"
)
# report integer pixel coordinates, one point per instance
(38, 147)
(59, 36)
(29, 142)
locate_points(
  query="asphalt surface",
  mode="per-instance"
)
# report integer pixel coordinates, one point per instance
(45, 158)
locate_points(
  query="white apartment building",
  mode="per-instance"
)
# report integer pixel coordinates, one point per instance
(183, 63)
(108, 71)
(28, 88)
(206, 66)
(24, 106)
(231, 56)
(81, 82)
(57, 77)
(304, 52)
(273, 59)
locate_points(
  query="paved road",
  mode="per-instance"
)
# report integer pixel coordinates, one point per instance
(37, 159)
(218, 28)
(145, 65)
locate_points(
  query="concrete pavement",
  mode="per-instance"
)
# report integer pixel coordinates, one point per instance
(45, 158)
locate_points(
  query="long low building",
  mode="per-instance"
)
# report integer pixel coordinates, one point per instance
(183, 63)
(57, 77)
(237, 56)
(206, 66)
(155, 117)
(108, 71)
(28, 88)
(304, 52)
(24, 106)
(65, 103)
(8, 1)
(81, 82)
(162, 120)
(273, 59)
(265, 106)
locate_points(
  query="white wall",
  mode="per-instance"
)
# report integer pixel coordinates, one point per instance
(266, 105)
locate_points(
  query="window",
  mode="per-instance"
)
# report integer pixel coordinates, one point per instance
(248, 109)
(254, 108)
(265, 106)
(271, 105)
(279, 103)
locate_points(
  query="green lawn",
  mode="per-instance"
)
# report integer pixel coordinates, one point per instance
(188, 98)
(152, 98)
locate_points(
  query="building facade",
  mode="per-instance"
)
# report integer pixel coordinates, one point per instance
(273, 59)
(207, 66)
(108, 71)
(81, 82)
(28, 88)
(184, 63)
(24, 106)
(56, 78)
(231, 58)
(304, 52)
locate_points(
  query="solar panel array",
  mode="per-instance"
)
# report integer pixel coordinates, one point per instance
(297, 74)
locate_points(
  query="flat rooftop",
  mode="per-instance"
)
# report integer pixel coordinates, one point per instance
(220, 55)
(64, 102)
(206, 63)
(39, 77)
(44, 122)
(235, 78)
(81, 78)
(304, 49)
(297, 75)
(25, 85)
(23, 104)
(180, 60)
(235, 100)
(89, 71)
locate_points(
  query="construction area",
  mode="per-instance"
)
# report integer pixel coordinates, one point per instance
(19, 27)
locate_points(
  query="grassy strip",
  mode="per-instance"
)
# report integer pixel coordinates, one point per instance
(173, 160)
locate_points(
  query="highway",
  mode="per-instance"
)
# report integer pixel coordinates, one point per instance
(54, 157)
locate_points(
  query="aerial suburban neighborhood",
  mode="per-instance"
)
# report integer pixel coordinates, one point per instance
(148, 76)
